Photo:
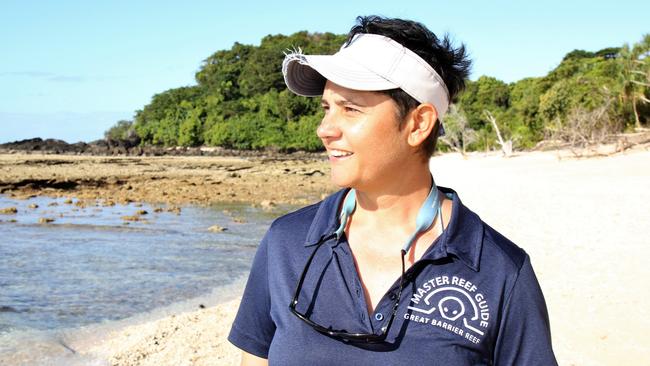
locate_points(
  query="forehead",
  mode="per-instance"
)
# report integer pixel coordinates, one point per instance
(334, 93)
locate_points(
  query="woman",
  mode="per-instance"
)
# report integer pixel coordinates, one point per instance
(391, 269)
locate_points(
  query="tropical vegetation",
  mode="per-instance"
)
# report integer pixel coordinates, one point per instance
(240, 102)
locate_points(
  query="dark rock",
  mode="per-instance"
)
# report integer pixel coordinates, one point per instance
(132, 147)
(7, 309)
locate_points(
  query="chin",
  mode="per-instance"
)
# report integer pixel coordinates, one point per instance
(341, 180)
(340, 183)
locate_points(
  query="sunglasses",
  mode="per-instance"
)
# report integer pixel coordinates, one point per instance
(342, 334)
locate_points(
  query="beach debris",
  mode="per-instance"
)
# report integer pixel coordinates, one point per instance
(267, 204)
(137, 204)
(64, 345)
(109, 203)
(68, 201)
(141, 212)
(33, 205)
(174, 209)
(506, 146)
(239, 220)
(158, 209)
(201, 306)
(12, 220)
(8, 211)
(80, 204)
(131, 218)
(45, 220)
(312, 172)
(217, 229)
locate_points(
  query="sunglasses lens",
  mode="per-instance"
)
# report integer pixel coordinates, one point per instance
(343, 335)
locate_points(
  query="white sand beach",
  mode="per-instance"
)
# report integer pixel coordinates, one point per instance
(583, 222)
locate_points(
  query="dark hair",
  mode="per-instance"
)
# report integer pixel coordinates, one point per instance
(452, 64)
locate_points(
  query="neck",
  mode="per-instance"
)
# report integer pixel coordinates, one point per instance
(396, 204)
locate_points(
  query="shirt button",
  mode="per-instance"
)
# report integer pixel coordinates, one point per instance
(379, 316)
(392, 296)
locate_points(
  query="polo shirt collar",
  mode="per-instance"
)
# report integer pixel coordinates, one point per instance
(326, 219)
(462, 238)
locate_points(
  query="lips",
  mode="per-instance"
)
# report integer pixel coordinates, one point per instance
(335, 153)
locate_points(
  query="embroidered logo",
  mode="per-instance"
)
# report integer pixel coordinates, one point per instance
(453, 304)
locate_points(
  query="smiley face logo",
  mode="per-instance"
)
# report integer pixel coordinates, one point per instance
(451, 308)
(453, 304)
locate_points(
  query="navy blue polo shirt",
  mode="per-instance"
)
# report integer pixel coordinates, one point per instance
(472, 299)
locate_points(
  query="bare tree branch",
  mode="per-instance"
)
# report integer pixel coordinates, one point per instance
(506, 146)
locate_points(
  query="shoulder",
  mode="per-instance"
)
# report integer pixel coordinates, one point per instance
(481, 245)
(497, 245)
(309, 222)
(288, 236)
(295, 222)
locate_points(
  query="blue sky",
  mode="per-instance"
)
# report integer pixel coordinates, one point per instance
(71, 69)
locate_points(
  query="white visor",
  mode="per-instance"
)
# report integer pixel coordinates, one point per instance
(370, 62)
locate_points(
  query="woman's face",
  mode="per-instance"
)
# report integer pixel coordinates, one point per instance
(366, 147)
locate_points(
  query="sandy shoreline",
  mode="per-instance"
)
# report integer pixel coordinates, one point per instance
(583, 222)
(192, 338)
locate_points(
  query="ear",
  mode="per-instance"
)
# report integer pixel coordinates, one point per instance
(420, 123)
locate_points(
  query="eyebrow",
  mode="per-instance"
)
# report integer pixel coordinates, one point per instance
(346, 101)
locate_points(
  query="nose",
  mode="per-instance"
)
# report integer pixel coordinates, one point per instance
(328, 128)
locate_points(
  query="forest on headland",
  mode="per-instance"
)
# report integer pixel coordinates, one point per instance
(240, 102)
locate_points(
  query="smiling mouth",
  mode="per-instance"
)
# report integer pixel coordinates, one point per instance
(339, 154)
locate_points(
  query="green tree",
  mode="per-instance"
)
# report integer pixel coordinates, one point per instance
(567, 94)
(635, 66)
(486, 93)
(219, 73)
(301, 133)
(190, 130)
(522, 119)
(122, 130)
(169, 107)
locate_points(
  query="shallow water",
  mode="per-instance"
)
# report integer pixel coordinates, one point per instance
(89, 267)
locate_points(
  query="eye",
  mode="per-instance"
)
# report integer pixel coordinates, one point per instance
(351, 109)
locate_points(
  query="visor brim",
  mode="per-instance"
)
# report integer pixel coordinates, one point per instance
(307, 75)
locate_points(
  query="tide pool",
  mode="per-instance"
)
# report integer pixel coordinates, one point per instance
(90, 266)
